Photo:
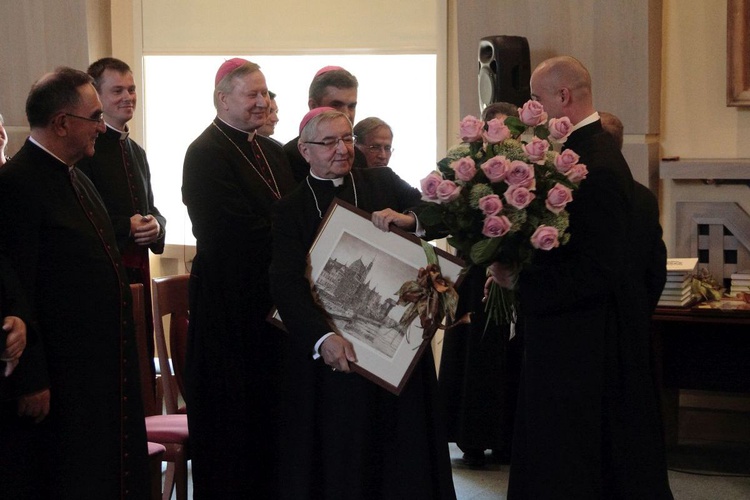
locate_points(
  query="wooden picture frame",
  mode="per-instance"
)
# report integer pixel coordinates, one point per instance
(357, 270)
(738, 52)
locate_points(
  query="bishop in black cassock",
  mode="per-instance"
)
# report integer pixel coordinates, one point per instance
(343, 436)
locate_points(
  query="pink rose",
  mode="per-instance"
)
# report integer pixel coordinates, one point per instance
(465, 169)
(495, 168)
(520, 173)
(471, 129)
(577, 173)
(447, 191)
(532, 114)
(519, 196)
(558, 197)
(536, 150)
(545, 238)
(495, 226)
(565, 160)
(490, 204)
(559, 128)
(496, 131)
(429, 185)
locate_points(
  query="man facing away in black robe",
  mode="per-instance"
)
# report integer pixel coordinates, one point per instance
(588, 423)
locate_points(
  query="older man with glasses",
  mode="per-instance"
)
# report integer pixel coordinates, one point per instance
(375, 141)
(343, 436)
(78, 430)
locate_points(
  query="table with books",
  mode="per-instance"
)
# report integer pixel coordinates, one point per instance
(702, 346)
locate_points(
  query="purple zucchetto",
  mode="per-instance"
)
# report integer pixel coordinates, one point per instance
(312, 114)
(227, 67)
(326, 69)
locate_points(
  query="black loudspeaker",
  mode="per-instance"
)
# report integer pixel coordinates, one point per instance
(504, 70)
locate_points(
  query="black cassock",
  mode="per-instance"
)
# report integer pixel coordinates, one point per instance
(232, 353)
(588, 423)
(56, 230)
(344, 437)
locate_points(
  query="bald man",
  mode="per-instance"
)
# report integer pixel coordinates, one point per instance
(588, 424)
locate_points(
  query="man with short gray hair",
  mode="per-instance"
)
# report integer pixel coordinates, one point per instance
(232, 177)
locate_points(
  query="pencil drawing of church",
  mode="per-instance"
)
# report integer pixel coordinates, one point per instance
(356, 306)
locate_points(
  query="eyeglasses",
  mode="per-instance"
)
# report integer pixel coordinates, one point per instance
(99, 117)
(376, 149)
(334, 143)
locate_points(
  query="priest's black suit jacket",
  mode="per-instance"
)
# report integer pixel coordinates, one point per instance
(344, 437)
(588, 424)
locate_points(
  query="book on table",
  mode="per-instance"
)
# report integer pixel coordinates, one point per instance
(682, 265)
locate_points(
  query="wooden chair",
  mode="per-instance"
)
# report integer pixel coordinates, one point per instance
(169, 431)
(170, 298)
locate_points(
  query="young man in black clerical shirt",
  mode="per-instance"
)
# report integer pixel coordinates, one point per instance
(121, 173)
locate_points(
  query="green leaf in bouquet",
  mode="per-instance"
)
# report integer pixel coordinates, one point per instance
(482, 252)
(515, 125)
(444, 168)
(541, 132)
(476, 148)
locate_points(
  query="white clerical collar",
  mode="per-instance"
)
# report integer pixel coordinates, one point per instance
(250, 135)
(39, 145)
(337, 181)
(586, 121)
(123, 133)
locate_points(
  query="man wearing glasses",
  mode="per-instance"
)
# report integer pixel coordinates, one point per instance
(375, 141)
(343, 436)
(80, 429)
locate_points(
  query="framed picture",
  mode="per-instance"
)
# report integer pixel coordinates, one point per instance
(738, 53)
(357, 270)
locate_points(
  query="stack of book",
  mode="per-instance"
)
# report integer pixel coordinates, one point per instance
(678, 288)
(740, 282)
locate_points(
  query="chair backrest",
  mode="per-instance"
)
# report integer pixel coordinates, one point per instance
(170, 297)
(148, 389)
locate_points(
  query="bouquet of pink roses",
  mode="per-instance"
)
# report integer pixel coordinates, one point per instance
(501, 194)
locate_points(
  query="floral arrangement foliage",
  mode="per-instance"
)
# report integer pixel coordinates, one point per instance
(501, 194)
